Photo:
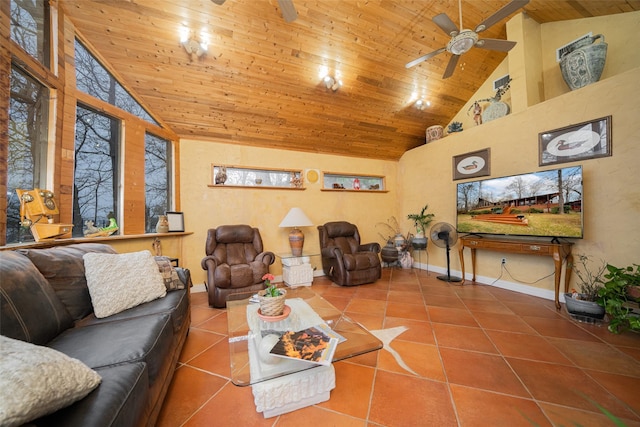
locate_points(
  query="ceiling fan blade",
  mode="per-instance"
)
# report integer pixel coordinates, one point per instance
(451, 67)
(218, 2)
(447, 25)
(425, 57)
(496, 44)
(501, 14)
(289, 12)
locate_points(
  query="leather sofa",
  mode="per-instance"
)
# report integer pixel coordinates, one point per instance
(235, 262)
(344, 259)
(44, 300)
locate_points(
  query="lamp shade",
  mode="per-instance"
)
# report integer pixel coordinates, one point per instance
(296, 218)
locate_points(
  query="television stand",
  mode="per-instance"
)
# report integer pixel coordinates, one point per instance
(558, 251)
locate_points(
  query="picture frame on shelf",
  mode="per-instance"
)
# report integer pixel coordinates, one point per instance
(176, 221)
(472, 164)
(581, 141)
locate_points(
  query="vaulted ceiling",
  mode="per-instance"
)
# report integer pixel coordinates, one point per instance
(259, 83)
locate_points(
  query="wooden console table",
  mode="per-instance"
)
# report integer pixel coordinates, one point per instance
(558, 251)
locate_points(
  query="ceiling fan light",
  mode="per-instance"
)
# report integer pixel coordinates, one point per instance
(462, 42)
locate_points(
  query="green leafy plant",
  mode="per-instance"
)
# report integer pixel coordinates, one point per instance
(421, 220)
(271, 289)
(613, 297)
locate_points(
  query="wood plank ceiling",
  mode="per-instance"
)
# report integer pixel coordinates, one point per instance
(259, 83)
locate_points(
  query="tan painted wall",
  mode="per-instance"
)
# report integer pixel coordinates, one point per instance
(536, 75)
(621, 35)
(207, 207)
(611, 184)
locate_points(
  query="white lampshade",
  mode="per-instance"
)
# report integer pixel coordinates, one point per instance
(296, 218)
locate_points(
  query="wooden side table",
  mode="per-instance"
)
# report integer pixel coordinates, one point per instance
(558, 251)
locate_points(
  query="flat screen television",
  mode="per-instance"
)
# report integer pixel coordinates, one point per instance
(541, 204)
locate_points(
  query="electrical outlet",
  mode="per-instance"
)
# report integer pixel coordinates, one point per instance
(504, 261)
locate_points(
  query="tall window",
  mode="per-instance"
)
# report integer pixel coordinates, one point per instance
(94, 79)
(30, 27)
(157, 176)
(27, 156)
(95, 191)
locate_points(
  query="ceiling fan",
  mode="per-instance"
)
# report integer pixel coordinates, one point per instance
(289, 12)
(463, 40)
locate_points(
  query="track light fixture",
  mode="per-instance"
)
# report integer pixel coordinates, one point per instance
(196, 46)
(332, 83)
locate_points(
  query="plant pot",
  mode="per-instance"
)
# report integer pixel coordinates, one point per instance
(434, 132)
(272, 306)
(584, 64)
(389, 253)
(583, 308)
(419, 242)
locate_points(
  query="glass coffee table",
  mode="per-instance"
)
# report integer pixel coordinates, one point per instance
(249, 358)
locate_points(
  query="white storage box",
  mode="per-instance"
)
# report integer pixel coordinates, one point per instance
(297, 271)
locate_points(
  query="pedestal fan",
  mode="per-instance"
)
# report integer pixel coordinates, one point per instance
(445, 235)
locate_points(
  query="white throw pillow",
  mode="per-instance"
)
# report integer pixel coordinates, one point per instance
(36, 381)
(117, 282)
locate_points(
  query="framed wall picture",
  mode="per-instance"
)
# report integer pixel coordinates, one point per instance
(473, 164)
(581, 141)
(176, 221)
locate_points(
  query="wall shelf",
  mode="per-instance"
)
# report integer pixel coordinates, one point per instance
(332, 181)
(230, 176)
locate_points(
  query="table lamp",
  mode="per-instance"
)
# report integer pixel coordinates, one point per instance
(296, 218)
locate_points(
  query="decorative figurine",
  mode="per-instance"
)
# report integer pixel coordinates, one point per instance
(221, 176)
(157, 246)
(89, 228)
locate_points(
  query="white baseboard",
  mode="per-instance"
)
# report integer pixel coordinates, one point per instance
(502, 284)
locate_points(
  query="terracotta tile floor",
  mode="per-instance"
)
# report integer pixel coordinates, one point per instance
(481, 356)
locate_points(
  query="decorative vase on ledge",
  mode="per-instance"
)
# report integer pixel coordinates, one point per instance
(583, 64)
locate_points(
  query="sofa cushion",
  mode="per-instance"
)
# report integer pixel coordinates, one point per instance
(142, 339)
(175, 303)
(117, 282)
(169, 274)
(120, 400)
(35, 381)
(29, 308)
(63, 267)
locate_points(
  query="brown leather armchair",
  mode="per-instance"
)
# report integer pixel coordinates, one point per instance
(235, 262)
(344, 259)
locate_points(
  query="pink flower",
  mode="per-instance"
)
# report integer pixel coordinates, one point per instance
(268, 277)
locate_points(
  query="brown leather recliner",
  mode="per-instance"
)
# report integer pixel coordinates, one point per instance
(235, 262)
(344, 259)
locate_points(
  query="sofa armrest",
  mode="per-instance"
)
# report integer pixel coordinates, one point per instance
(185, 276)
(266, 257)
(370, 247)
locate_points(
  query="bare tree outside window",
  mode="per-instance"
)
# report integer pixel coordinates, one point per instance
(157, 176)
(95, 191)
(27, 156)
(30, 27)
(94, 79)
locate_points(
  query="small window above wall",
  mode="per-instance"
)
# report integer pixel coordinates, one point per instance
(252, 177)
(349, 182)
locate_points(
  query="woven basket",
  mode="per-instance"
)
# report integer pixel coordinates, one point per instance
(272, 306)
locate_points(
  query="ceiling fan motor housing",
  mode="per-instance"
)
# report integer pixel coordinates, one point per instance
(462, 42)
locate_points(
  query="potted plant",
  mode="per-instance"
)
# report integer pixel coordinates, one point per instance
(271, 298)
(616, 296)
(421, 221)
(585, 303)
(395, 241)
